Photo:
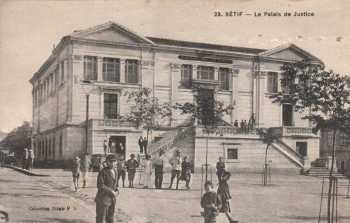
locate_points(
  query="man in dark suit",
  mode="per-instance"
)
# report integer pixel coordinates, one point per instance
(107, 191)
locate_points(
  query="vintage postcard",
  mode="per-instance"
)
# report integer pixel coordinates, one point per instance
(188, 111)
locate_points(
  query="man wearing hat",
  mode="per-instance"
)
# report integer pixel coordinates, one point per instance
(131, 166)
(107, 191)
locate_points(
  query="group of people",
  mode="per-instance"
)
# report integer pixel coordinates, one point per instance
(28, 159)
(245, 126)
(215, 202)
(143, 142)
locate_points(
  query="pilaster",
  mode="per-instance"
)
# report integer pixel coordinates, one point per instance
(122, 70)
(99, 68)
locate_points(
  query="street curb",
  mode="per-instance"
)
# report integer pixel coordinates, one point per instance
(26, 172)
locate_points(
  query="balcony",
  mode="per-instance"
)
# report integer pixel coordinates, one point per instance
(226, 131)
(110, 124)
(293, 131)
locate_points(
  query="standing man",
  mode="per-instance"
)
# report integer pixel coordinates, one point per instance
(30, 158)
(220, 167)
(106, 147)
(85, 166)
(76, 172)
(145, 143)
(158, 170)
(131, 166)
(107, 191)
(25, 159)
(121, 170)
(175, 163)
(141, 144)
(147, 172)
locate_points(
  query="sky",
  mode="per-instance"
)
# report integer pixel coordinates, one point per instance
(29, 29)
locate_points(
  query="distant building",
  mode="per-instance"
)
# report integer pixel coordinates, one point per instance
(107, 60)
(342, 149)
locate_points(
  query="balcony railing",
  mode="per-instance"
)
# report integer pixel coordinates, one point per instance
(111, 123)
(293, 131)
(225, 131)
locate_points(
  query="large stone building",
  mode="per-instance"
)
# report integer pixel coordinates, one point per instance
(108, 60)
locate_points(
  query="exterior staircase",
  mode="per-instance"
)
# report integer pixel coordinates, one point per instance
(322, 172)
(289, 153)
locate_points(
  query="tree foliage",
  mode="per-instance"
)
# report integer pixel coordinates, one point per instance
(145, 108)
(324, 95)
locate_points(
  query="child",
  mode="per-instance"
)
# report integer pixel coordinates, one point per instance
(121, 170)
(131, 166)
(76, 172)
(210, 203)
(186, 168)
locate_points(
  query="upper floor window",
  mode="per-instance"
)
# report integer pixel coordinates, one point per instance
(186, 75)
(63, 70)
(205, 73)
(110, 106)
(224, 78)
(131, 71)
(90, 68)
(272, 82)
(111, 71)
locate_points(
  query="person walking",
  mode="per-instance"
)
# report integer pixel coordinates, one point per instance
(85, 166)
(220, 167)
(25, 158)
(175, 163)
(224, 196)
(141, 144)
(76, 172)
(107, 191)
(30, 159)
(131, 166)
(147, 172)
(158, 164)
(186, 169)
(210, 203)
(121, 168)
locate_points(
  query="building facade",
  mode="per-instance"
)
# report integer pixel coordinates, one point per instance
(88, 73)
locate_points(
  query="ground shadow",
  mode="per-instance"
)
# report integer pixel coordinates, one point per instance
(309, 218)
(29, 195)
(57, 220)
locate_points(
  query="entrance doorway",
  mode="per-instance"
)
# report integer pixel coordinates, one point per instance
(287, 115)
(117, 145)
(301, 148)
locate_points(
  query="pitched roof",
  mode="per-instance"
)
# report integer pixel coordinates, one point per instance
(181, 43)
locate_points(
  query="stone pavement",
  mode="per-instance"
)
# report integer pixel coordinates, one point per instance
(291, 198)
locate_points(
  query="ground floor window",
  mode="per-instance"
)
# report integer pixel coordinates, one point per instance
(232, 153)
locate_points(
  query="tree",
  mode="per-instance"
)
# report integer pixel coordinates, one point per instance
(268, 138)
(18, 139)
(208, 112)
(145, 109)
(325, 98)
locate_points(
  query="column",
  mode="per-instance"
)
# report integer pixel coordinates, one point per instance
(261, 97)
(234, 94)
(174, 80)
(99, 68)
(216, 73)
(194, 72)
(122, 70)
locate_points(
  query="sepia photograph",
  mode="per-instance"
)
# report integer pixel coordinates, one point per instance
(183, 111)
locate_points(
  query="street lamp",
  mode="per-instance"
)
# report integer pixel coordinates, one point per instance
(87, 92)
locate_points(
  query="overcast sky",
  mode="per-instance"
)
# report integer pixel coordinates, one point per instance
(29, 29)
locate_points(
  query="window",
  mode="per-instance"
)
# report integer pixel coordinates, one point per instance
(224, 78)
(111, 69)
(186, 75)
(272, 82)
(90, 68)
(232, 154)
(63, 70)
(330, 138)
(57, 77)
(205, 73)
(110, 106)
(131, 71)
(61, 145)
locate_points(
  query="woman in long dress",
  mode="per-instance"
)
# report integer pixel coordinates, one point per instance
(147, 172)
(224, 192)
